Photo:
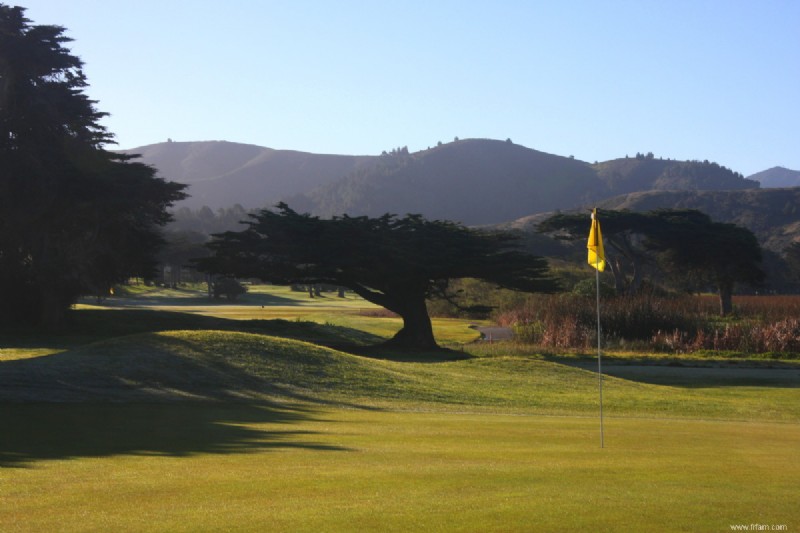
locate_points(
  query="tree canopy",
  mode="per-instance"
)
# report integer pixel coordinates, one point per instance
(714, 253)
(74, 218)
(623, 232)
(685, 243)
(394, 262)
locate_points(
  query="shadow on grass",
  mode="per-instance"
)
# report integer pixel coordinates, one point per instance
(388, 352)
(90, 325)
(39, 432)
(153, 368)
(708, 377)
(692, 373)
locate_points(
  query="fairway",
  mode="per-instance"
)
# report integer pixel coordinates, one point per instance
(165, 413)
(178, 468)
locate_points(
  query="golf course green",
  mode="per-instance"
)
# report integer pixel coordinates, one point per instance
(162, 412)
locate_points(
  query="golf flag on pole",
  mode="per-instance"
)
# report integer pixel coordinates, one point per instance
(597, 257)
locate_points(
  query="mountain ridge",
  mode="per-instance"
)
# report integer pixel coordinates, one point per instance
(472, 181)
(466, 181)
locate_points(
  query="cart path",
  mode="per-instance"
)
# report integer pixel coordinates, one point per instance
(495, 333)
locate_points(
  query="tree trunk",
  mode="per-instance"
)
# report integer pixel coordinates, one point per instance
(619, 276)
(636, 280)
(409, 303)
(725, 299)
(417, 331)
(53, 310)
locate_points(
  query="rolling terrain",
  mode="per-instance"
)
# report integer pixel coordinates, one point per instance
(472, 181)
(162, 411)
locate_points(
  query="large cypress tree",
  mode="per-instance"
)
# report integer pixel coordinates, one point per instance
(74, 217)
(394, 262)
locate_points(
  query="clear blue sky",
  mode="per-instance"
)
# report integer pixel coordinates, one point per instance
(685, 79)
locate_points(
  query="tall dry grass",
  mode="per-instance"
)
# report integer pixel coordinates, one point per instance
(761, 324)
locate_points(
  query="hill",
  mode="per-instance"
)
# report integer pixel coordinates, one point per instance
(222, 174)
(473, 181)
(643, 173)
(777, 177)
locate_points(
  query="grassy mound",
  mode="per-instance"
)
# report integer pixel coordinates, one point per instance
(225, 365)
(204, 364)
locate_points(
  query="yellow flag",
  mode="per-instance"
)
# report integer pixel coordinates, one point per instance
(597, 257)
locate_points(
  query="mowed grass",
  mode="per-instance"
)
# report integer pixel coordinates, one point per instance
(198, 425)
(229, 468)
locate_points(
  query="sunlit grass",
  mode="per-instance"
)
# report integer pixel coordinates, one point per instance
(271, 302)
(13, 354)
(223, 364)
(340, 470)
(236, 418)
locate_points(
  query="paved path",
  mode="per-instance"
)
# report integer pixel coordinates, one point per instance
(496, 333)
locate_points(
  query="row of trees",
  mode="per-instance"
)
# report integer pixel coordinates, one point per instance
(74, 217)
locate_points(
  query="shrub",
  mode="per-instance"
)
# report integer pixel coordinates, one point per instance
(227, 287)
(588, 288)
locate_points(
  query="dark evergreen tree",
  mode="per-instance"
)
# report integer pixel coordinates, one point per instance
(718, 254)
(623, 232)
(74, 218)
(686, 243)
(394, 262)
(793, 258)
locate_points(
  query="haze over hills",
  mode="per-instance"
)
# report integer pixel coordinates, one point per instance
(221, 174)
(777, 177)
(473, 181)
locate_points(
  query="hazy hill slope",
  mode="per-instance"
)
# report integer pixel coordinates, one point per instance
(472, 181)
(221, 174)
(777, 177)
(622, 176)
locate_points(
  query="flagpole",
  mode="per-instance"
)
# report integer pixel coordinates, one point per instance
(597, 258)
(599, 356)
